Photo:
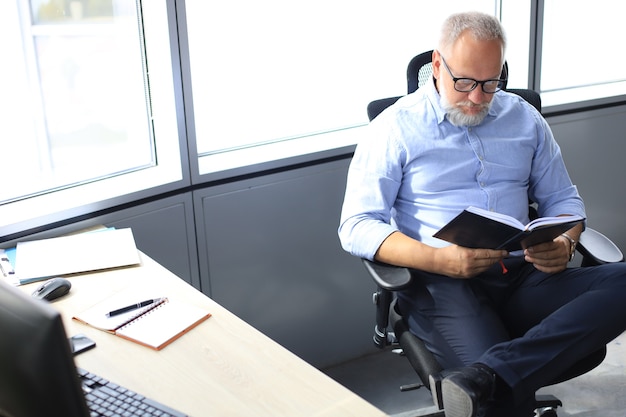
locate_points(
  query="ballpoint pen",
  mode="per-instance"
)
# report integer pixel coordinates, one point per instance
(132, 307)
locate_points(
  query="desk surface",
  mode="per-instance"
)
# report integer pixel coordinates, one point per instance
(223, 367)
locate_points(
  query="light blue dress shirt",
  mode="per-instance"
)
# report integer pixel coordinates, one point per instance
(414, 171)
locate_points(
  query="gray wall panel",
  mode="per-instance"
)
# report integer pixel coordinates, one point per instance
(594, 148)
(165, 231)
(273, 258)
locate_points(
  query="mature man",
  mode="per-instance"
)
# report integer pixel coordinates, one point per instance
(502, 324)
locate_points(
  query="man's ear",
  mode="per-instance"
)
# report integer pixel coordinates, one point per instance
(436, 63)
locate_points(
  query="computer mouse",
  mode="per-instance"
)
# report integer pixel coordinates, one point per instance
(52, 289)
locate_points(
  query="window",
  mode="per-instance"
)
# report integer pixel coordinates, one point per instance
(572, 32)
(78, 104)
(278, 77)
(85, 88)
(100, 108)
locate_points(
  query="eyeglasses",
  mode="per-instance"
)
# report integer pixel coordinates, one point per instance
(465, 85)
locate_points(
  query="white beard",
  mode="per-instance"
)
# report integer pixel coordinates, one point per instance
(455, 114)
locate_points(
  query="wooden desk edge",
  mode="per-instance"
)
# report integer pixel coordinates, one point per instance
(224, 366)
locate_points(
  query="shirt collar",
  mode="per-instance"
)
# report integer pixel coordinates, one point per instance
(433, 95)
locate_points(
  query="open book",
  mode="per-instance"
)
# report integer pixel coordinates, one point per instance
(155, 325)
(478, 228)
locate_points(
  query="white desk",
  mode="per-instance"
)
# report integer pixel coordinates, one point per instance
(223, 367)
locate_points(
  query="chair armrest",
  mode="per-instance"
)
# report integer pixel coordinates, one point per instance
(598, 249)
(388, 277)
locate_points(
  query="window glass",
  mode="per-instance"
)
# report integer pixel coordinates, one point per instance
(82, 126)
(78, 106)
(275, 71)
(572, 30)
(515, 17)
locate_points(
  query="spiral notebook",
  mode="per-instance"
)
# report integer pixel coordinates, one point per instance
(154, 326)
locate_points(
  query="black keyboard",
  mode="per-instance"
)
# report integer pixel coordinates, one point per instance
(105, 398)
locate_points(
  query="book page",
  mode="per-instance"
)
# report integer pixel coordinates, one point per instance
(502, 218)
(164, 324)
(546, 221)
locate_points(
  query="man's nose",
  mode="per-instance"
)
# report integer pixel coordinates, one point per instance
(477, 95)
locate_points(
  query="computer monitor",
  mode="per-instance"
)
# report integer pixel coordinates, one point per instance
(37, 372)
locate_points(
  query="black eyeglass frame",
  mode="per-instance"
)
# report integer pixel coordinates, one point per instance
(500, 83)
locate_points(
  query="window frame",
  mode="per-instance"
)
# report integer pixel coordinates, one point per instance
(171, 171)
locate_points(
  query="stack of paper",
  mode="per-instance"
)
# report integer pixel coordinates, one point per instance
(107, 248)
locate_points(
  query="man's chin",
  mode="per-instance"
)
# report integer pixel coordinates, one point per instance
(472, 111)
(462, 119)
(463, 113)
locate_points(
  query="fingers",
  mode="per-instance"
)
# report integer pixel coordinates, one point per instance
(549, 251)
(460, 262)
(548, 257)
(491, 256)
(472, 262)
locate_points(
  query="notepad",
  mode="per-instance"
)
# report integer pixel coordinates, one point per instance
(162, 325)
(109, 248)
(154, 326)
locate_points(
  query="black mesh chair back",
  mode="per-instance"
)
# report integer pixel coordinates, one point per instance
(419, 71)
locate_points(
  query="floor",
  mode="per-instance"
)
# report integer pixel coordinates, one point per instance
(377, 378)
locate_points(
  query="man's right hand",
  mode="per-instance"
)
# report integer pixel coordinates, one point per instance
(459, 262)
(453, 261)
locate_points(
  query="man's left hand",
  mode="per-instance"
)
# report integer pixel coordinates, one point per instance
(549, 257)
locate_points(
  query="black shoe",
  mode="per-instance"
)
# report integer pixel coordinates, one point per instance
(463, 390)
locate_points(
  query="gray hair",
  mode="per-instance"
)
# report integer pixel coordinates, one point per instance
(482, 26)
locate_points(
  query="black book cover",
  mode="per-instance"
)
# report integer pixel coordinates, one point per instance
(475, 228)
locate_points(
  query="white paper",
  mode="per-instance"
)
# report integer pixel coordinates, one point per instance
(109, 248)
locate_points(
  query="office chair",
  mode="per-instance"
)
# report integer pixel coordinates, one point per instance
(391, 328)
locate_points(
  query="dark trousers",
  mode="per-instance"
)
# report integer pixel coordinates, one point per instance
(528, 326)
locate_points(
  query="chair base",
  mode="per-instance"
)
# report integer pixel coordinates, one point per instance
(547, 405)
